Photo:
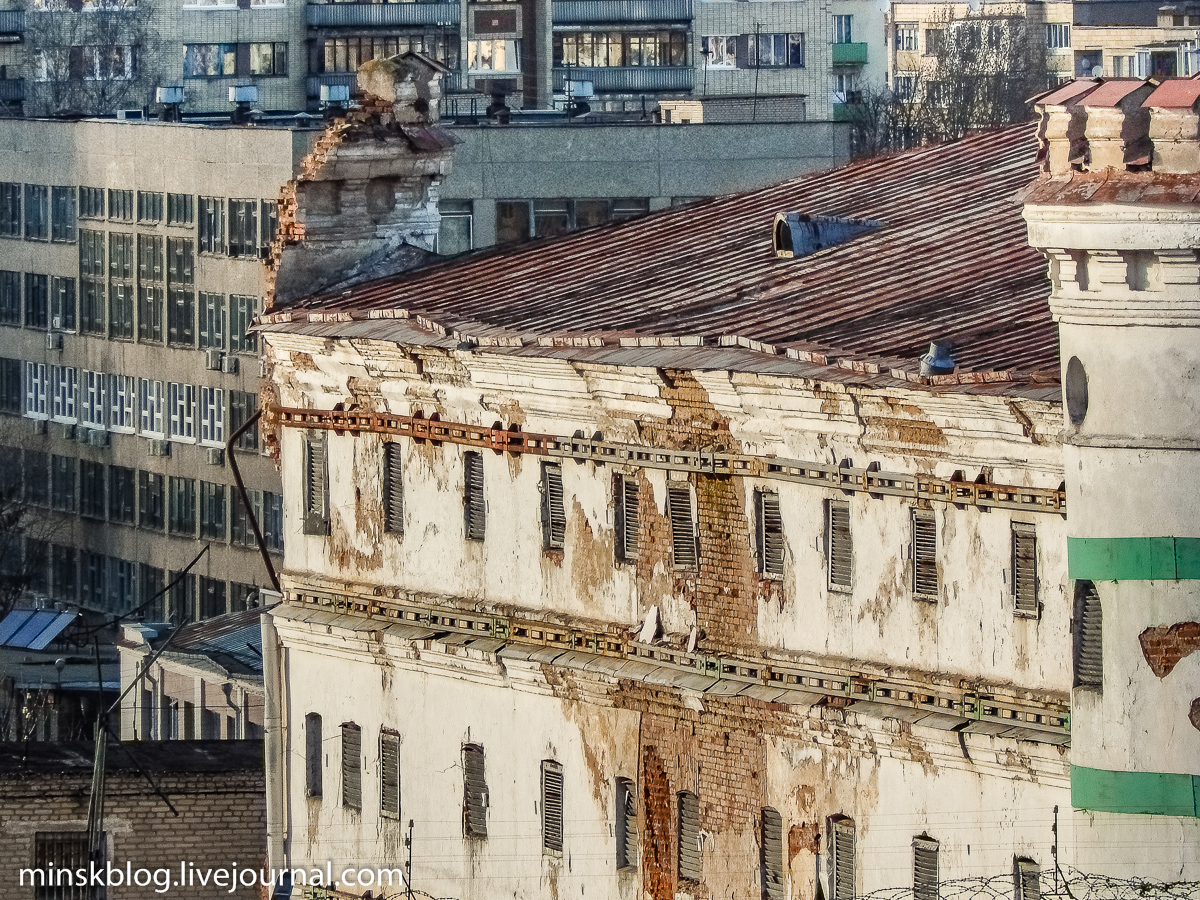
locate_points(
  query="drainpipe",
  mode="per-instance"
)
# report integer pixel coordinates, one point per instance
(273, 747)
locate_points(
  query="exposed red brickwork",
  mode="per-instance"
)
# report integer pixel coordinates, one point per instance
(1165, 647)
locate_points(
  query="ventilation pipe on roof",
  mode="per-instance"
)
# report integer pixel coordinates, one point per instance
(939, 360)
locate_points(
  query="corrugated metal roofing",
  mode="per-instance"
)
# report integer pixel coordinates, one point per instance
(233, 641)
(33, 629)
(950, 262)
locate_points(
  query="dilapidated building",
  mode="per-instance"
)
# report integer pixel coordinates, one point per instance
(662, 560)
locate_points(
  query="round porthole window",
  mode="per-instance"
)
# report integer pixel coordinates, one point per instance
(1077, 391)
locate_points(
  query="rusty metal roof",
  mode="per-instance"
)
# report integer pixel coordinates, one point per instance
(1110, 186)
(1175, 93)
(1071, 92)
(950, 262)
(1112, 92)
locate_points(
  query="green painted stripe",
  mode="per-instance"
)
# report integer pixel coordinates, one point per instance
(1135, 793)
(1134, 559)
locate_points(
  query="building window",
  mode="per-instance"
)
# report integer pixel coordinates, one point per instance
(242, 407)
(683, 530)
(925, 868)
(10, 298)
(181, 401)
(314, 755)
(552, 807)
(212, 510)
(241, 532)
(721, 51)
(11, 397)
(627, 517)
(212, 225)
(62, 208)
(37, 477)
(181, 209)
(94, 569)
(64, 572)
(212, 321)
(62, 303)
(272, 521)
(181, 598)
(37, 389)
(904, 87)
(10, 209)
(242, 596)
(120, 205)
(37, 212)
(393, 489)
(268, 59)
(62, 850)
(37, 301)
(934, 38)
(1088, 637)
(120, 311)
(475, 792)
(212, 417)
(843, 29)
(121, 585)
(121, 495)
(351, 766)
(389, 775)
(603, 49)
(346, 54)
(243, 227)
(316, 484)
(776, 50)
(840, 546)
(924, 555)
(149, 206)
(769, 535)
(209, 60)
(269, 223)
(518, 220)
(474, 501)
(689, 836)
(93, 275)
(906, 35)
(627, 829)
(213, 596)
(554, 515)
(181, 296)
(842, 867)
(150, 501)
(773, 887)
(151, 580)
(1058, 35)
(1024, 569)
(153, 407)
(1027, 879)
(62, 483)
(64, 389)
(151, 272)
(93, 403)
(456, 227)
(91, 203)
(181, 518)
(242, 310)
(497, 56)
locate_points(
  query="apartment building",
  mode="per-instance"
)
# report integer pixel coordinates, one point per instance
(130, 269)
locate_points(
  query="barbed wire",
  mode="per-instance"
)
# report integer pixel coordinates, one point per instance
(1070, 884)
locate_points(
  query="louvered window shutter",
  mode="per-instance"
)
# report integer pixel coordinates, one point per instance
(476, 511)
(770, 534)
(474, 792)
(316, 518)
(552, 806)
(924, 554)
(313, 754)
(925, 868)
(393, 489)
(389, 776)
(689, 837)
(841, 551)
(1027, 880)
(1024, 569)
(843, 871)
(554, 516)
(1089, 668)
(627, 828)
(351, 766)
(627, 509)
(683, 534)
(772, 855)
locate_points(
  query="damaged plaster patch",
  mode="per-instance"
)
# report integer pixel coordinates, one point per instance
(1194, 714)
(1163, 648)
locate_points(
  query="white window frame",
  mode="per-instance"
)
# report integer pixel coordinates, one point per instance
(181, 405)
(509, 56)
(212, 417)
(722, 51)
(94, 396)
(122, 395)
(64, 385)
(36, 390)
(150, 400)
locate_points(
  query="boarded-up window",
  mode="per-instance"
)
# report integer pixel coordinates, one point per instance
(475, 509)
(313, 762)
(554, 514)
(389, 774)
(627, 827)
(393, 490)
(772, 855)
(1088, 637)
(475, 792)
(689, 837)
(351, 766)
(841, 867)
(1027, 879)
(769, 533)
(924, 554)
(841, 550)
(552, 806)
(627, 517)
(925, 868)
(683, 531)
(316, 485)
(1024, 569)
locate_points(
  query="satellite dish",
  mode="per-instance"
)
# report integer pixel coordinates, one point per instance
(1097, 71)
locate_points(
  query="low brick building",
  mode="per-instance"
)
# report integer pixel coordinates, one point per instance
(218, 818)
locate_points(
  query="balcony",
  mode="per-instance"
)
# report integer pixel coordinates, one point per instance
(629, 78)
(582, 12)
(383, 14)
(455, 82)
(12, 90)
(12, 25)
(849, 54)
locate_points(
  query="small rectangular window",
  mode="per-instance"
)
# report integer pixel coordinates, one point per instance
(924, 555)
(62, 850)
(925, 868)
(842, 867)
(149, 206)
(627, 825)
(351, 766)
(120, 311)
(389, 775)
(1024, 569)
(683, 532)
(243, 226)
(1027, 879)
(181, 209)
(313, 755)
(212, 417)
(213, 597)
(11, 398)
(554, 515)
(152, 404)
(212, 510)
(272, 521)
(242, 310)
(37, 301)
(552, 807)
(1087, 626)
(91, 489)
(773, 887)
(841, 550)
(181, 402)
(769, 533)
(121, 493)
(62, 483)
(242, 407)
(474, 503)
(37, 212)
(393, 489)
(689, 836)
(316, 484)
(63, 214)
(150, 501)
(181, 295)
(627, 517)
(181, 517)
(120, 205)
(212, 225)
(91, 203)
(181, 597)
(475, 792)
(62, 304)
(10, 298)
(37, 477)
(212, 321)
(10, 209)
